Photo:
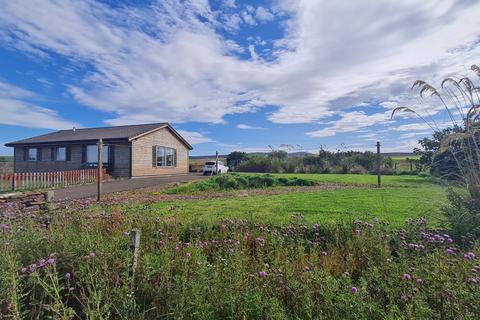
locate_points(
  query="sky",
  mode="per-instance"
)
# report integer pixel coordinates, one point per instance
(234, 75)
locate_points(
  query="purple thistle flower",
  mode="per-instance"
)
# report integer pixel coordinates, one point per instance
(188, 254)
(23, 270)
(469, 256)
(41, 263)
(33, 267)
(450, 251)
(262, 274)
(354, 290)
(420, 281)
(92, 254)
(407, 277)
(260, 242)
(68, 275)
(51, 261)
(324, 253)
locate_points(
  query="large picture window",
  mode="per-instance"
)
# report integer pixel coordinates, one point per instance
(92, 154)
(164, 157)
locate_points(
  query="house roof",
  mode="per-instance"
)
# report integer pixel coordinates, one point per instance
(128, 132)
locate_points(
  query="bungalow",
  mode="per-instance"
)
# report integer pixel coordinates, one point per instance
(128, 151)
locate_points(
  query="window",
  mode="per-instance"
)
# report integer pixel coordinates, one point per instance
(92, 154)
(61, 154)
(164, 157)
(32, 154)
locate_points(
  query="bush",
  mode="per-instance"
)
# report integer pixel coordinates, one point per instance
(463, 215)
(233, 181)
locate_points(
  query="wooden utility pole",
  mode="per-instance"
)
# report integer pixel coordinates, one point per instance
(100, 170)
(216, 162)
(379, 177)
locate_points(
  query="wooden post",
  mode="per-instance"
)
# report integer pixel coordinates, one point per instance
(135, 247)
(14, 182)
(379, 172)
(99, 170)
(216, 162)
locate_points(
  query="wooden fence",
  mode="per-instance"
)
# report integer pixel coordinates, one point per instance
(43, 180)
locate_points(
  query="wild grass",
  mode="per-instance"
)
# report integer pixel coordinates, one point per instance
(81, 267)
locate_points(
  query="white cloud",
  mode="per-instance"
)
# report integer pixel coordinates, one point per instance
(249, 127)
(350, 122)
(415, 134)
(194, 137)
(168, 62)
(16, 110)
(263, 15)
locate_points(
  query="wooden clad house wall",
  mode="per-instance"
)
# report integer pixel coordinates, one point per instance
(142, 154)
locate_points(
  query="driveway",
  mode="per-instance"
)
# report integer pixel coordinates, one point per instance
(90, 190)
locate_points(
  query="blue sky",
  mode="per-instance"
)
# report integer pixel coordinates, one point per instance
(230, 74)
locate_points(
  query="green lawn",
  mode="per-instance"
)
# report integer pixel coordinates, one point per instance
(364, 179)
(403, 197)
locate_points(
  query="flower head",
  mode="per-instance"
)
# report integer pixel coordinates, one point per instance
(262, 274)
(354, 290)
(407, 277)
(469, 256)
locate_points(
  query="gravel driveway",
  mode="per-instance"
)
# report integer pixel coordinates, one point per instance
(90, 190)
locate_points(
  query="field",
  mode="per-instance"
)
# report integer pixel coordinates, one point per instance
(402, 197)
(334, 248)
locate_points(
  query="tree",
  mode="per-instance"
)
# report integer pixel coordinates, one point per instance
(235, 157)
(431, 145)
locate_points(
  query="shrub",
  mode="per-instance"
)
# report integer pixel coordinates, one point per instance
(233, 181)
(463, 215)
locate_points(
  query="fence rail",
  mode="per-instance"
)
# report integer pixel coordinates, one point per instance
(43, 180)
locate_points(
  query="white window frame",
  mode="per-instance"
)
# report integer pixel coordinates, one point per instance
(33, 159)
(163, 160)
